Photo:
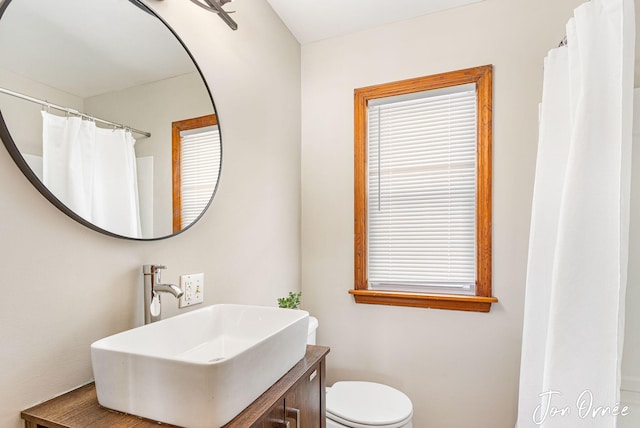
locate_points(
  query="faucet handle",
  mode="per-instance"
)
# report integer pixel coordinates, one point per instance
(152, 269)
(156, 271)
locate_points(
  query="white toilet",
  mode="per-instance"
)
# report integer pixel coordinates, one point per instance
(364, 404)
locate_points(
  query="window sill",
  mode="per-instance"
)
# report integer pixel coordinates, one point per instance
(422, 300)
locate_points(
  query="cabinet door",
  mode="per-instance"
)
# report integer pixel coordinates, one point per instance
(304, 402)
(274, 418)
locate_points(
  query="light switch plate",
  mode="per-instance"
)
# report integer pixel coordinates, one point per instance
(193, 287)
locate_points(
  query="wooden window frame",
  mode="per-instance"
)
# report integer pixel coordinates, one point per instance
(176, 160)
(481, 301)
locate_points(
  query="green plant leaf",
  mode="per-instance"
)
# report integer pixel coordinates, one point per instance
(292, 301)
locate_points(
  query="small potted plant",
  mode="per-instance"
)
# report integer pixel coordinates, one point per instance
(290, 302)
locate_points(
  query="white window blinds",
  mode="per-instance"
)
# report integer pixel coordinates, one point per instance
(421, 209)
(200, 149)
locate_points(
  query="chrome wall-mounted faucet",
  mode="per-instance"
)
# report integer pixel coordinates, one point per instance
(152, 288)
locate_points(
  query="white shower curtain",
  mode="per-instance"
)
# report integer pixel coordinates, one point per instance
(576, 277)
(93, 172)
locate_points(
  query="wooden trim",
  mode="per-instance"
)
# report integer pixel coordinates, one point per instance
(484, 181)
(176, 161)
(360, 196)
(482, 77)
(78, 409)
(423, 300)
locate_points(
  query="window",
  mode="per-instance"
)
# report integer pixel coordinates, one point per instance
(196, 166)
(423, 192)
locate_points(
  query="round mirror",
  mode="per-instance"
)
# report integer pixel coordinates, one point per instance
(104, 110)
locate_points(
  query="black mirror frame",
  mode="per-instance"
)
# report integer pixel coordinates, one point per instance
(17, 157)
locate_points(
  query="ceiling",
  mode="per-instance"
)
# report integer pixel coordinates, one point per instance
(88, 48)
(73, 45)
(312, 20)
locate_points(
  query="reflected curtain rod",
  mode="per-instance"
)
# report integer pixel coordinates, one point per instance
(71, 111)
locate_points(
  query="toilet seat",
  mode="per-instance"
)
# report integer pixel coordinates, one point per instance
(368, 404)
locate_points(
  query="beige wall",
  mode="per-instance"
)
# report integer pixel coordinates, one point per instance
(64, 286)
(460, 369)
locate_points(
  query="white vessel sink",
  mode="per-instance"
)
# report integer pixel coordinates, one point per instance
(199, 369)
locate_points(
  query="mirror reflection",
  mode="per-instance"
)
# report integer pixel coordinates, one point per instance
(110, 113)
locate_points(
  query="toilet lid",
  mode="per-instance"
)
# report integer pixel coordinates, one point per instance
(368, 404)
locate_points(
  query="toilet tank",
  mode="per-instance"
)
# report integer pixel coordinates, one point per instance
(311, 335)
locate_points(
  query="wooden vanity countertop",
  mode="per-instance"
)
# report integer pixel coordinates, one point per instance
(80, 409)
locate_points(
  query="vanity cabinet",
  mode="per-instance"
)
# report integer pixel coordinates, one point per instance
(297, 400)
(274, 418)
(303, 402)
(300, 403)
(300, 407)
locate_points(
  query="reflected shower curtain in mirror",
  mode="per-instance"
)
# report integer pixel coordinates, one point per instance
(92, 171)
(578, 247)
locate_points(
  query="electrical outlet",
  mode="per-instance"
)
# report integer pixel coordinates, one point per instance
(193, 287)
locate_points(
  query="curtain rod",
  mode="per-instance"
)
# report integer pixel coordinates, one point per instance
(563, 42)
(70, 111)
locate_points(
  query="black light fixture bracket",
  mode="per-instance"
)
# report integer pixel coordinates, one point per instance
(215, 6)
